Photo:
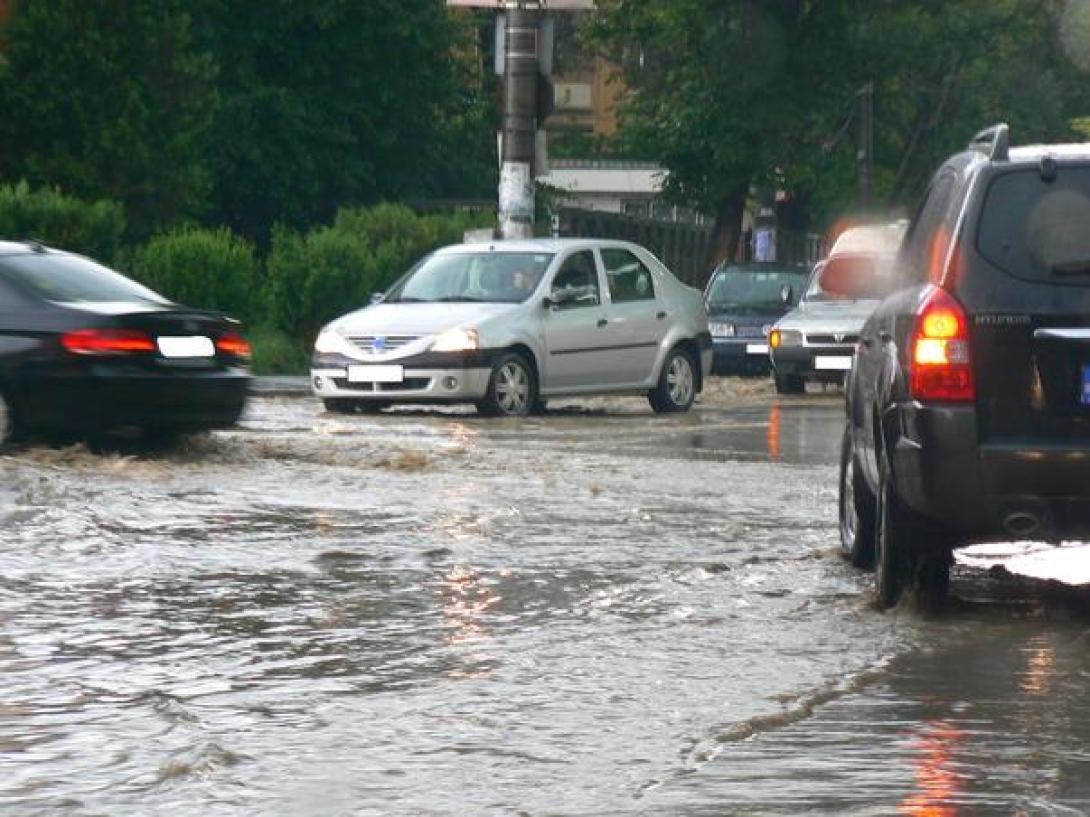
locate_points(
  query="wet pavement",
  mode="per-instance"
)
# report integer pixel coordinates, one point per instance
(594, 612)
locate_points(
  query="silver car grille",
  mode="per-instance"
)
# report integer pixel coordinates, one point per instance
(845, 339)
(378, 344)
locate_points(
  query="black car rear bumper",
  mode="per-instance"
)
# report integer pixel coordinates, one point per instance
(1017, 488)
(105, 397)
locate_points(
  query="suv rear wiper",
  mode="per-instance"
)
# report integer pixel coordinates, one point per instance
(1072, 267)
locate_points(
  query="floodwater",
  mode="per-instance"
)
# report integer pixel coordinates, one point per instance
(595, 612)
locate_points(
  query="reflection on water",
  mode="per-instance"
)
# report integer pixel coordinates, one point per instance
(935, 745)
(1040, 667)
(774, 432)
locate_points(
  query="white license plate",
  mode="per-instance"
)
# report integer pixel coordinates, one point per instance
(376, 374)
(195, 346)
(757, 348)
(838, 363)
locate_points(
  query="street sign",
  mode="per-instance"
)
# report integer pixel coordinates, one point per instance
(544, 5)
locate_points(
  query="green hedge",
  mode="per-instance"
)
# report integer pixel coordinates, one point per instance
(58, 220)
(209, 269)
(313, 278)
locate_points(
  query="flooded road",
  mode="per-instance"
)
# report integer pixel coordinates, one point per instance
(594, 612)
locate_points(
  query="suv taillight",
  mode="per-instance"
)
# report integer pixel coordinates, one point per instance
(941, 364)
(107, 342)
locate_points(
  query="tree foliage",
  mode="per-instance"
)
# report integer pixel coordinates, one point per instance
(732, 93)
(108, 100)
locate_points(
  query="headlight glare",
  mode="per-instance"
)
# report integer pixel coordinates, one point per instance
(457, 340)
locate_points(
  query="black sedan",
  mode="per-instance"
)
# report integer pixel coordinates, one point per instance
(84, 349)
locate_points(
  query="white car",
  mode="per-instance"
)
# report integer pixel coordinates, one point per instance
(505, 325)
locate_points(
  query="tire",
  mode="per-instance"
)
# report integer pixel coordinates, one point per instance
(342, 405)
(789, 384)
(676, 389)
(896, 531)
(540, 407)
(857, 506)
(512, 388)
(10, 427)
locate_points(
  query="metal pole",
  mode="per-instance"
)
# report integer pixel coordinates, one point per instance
(516, 193)
(866, 146)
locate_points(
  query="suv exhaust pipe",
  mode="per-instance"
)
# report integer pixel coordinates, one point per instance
(1021, 523)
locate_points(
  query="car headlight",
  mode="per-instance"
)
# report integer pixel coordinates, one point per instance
(457, 340)
(331, 342)
(722, 330)
(779, 338)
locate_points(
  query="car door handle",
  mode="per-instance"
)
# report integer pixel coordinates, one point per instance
(602, 322)
(661, 316)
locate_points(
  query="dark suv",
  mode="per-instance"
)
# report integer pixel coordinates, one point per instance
(968, 404)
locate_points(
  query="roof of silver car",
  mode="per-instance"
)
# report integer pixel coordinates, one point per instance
(543, 245)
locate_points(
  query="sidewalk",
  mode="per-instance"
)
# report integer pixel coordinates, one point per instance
(281, 386)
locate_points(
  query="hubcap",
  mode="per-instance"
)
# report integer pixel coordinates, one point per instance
(679, 380)
(512, 388)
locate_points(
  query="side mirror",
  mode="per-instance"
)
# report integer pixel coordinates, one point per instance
(787, 295)
(547, 302)
(378, 297)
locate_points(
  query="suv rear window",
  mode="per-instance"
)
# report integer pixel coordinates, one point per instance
(1038, 230)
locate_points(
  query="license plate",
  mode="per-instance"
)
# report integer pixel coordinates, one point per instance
(836, 363)
(376, 374)
(1086, 385)
(757, 348)
(195, 346)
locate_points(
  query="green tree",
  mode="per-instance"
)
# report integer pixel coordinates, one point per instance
(728, 94)
(108, 99)
(334, 103)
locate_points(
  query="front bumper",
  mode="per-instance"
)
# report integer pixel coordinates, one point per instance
(740, 355)
(830, 363)
(432, 377)
(944, 473)
(111, 397)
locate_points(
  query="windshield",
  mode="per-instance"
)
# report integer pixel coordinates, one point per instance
(486, 277)
(737, 289)
(850, 278)
(72, 279)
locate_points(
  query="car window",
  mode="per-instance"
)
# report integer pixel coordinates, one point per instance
(738, 289)
(928, 238)
(72, 279)
(576, 282)
(850, 278)
(1038, 230)
(628, 277)
(487, 276)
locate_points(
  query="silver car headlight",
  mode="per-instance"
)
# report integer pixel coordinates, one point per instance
(722, 330)
(457, 340)
(784, 338)
(333, 342)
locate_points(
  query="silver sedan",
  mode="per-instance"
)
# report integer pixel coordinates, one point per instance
(508, 324)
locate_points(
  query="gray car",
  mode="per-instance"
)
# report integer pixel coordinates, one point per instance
(505, 325)
(816, 341)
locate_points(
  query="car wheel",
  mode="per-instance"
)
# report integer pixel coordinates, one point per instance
(676, 389)
(893, 541)
(857, 508)
(343, 405)
(512, 388)
(790, 384)
(10, 428)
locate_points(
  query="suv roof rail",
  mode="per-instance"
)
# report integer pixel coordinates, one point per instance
(993, 142)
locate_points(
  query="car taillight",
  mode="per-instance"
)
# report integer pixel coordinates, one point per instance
(233, 344)
(941, 366)
(107, 342)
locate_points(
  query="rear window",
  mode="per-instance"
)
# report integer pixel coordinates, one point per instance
(851, 278)
(72, 279)
(1038, 230)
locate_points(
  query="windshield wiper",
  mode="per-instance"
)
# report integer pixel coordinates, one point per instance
(1072, 267)
(409, 299)
(460, 299)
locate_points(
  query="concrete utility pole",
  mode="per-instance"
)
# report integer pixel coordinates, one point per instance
(866, 146)
(520, 85)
